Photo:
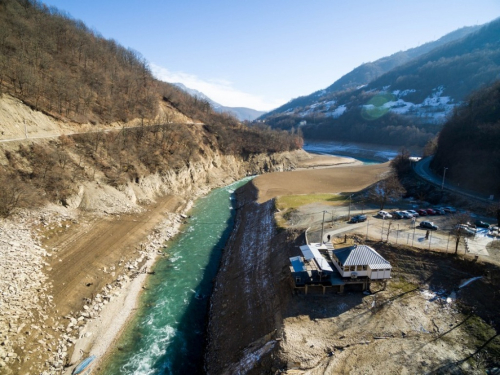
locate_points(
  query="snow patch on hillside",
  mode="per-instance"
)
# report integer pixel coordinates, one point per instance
(339, 111)
(435, 107)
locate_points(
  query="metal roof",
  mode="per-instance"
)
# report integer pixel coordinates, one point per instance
(312, 252)
(297, 264)
(323, 264)
(361, 255)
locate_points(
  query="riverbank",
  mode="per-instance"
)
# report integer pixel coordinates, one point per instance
(84, 260)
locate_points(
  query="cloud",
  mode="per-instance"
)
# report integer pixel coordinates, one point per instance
(219, 90)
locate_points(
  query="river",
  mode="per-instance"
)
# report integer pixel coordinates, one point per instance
(167, 335)
(367, 153)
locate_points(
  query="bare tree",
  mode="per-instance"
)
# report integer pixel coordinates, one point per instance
(387, 189)
(11, 194)
(459, 230)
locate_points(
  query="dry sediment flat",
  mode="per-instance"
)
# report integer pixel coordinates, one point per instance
(337, 179)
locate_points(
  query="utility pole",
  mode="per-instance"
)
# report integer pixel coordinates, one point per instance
(413, 239)
(349, 216)
(322, 227)
(367, 221)
(444, 174)
(397, 235)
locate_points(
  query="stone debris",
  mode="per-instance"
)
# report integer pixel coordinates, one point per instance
(25, 302)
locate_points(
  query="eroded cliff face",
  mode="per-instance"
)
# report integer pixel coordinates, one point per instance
(251, 290)
(192, 180)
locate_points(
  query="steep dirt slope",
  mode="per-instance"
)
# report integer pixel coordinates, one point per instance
(251, 289)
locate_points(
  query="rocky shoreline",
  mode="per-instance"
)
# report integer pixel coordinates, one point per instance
(30, 322)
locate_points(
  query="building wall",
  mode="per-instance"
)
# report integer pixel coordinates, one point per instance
(379, 274)
(359, 270)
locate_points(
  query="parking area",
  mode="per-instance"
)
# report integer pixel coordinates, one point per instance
(406, 231)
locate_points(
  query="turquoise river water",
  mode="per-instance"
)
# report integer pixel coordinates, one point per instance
(167, 335)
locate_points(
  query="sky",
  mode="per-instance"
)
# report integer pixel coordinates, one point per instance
(262, 53)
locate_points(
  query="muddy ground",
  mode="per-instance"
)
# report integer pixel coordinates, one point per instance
(421, 323)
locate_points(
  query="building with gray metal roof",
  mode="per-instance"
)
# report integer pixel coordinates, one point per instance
(361, 261)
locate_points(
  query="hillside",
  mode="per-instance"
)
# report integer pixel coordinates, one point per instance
(79, 84)
(408, 104)
(366, 73)
(469, 143)
(57, 65)
(241, 113)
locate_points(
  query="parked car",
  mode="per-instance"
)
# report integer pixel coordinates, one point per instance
(430, 211)
(428, 225)
(397, 215)
(422, 212)
(406, 215)
(358, 219)
(450, 210)
(466, 230)
(413, 213)
(482, 224)
(439, 211)
(384, 215)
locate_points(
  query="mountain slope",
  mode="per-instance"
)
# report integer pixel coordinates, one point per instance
(241, 113)
(469, 143)
(407, 105)
(365, 73)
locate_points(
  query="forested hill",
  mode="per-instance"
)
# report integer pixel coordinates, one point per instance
(469, 144)
(367, 72)
(407, 105)
(57, 66)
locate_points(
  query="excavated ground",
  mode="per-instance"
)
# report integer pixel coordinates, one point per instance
(422, 322)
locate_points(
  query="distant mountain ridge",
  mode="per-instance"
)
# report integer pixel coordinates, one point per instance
(241, 113)
(405, 105)
(366, 73)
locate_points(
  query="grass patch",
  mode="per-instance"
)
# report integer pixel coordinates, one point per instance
(402, 285)
(295, 201)
(480, 332)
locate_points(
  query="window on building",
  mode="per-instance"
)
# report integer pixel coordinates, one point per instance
(352, 268)
(359, 268)
(365, 268)
(346, 268)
